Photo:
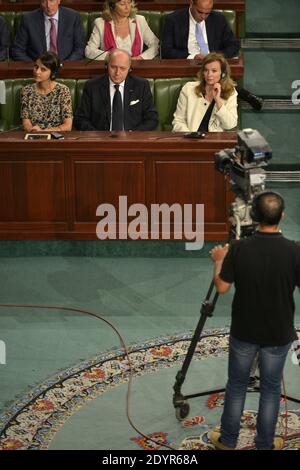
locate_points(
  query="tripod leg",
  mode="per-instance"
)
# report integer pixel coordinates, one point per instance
(181, 407)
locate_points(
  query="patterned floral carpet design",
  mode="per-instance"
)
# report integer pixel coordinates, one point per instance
(33, 420)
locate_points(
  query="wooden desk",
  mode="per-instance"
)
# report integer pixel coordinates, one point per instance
(160, 68)
(152, 5)
(51, 189)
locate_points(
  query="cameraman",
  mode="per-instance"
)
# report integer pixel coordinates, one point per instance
(265, 269)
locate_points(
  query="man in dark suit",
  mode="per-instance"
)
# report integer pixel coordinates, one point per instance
(4, 39)
(194, 31)
(49, 28)
(116, 101)
(181, 36)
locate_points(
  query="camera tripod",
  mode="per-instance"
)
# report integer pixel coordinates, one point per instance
(242, 227)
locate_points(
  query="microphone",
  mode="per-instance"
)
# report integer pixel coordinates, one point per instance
(99, 55)
(255, 101)
(194, 135)
(16, 128)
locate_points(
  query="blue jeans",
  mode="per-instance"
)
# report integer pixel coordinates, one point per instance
(271, 364)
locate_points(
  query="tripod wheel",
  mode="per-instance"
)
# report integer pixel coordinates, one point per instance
(182, 411)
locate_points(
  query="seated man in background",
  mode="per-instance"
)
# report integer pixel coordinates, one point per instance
(116, 101)
(4, 39)
(194, 31)
(49, 28)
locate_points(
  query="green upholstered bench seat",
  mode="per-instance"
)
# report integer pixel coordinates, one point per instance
(10, 111)
(165, 93)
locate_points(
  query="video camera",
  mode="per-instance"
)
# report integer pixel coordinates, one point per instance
(244, 163)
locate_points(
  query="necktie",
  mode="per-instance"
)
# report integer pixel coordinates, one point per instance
(200, 39)
(117, 111)
(53, 36)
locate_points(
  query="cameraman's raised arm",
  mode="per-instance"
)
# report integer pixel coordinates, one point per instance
(218, 254)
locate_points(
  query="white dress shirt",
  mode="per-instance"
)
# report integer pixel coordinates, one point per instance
(193, 46)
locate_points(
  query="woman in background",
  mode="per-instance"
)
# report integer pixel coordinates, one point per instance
(46, 105)
(210, 103)
(121, 28)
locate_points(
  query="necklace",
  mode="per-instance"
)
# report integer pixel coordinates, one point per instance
(122, 27)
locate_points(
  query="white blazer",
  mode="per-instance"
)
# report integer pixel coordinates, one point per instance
(191, 109)
(96, 42)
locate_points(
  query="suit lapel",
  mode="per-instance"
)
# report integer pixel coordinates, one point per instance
(41, 33)
(126, 101)
(210, 33)
(185, 27)
(128, 97)
(60, 29)
(105, 99)
(132, 28)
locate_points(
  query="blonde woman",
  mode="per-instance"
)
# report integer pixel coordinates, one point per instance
(121, 28)
(214, 91)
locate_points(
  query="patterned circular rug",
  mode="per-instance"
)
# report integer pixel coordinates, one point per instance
(33, 420)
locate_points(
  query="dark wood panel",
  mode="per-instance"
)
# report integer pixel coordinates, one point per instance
(158, 68)
(155, 5)
(32, 191)
(56, 197)
(191, 182)
(98, 182)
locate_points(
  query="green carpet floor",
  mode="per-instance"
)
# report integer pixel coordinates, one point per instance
(99, 425)
(145, 289)
(143, 297)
